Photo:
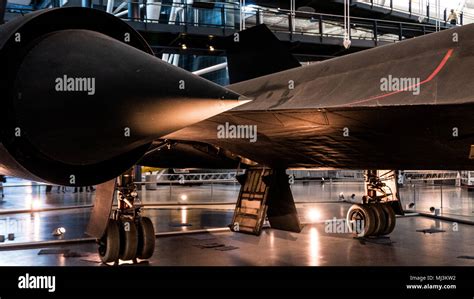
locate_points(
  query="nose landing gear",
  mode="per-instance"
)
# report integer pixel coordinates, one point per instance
(129, 235)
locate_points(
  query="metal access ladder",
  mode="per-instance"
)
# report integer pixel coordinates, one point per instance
(251, 207)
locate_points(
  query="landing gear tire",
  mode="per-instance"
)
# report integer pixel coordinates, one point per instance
(109, 244)
(129, 240)
(361, 220)
(391, 219)
(128, 235)
(381, 222)
(146, 238)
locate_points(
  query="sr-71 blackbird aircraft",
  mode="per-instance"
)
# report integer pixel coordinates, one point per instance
(84, 100)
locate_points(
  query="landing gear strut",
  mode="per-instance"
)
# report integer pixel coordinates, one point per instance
(375, 216)
(128, 235)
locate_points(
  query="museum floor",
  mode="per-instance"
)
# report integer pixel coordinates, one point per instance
(191, 225)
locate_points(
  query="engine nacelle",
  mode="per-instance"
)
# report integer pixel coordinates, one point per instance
(83, 97)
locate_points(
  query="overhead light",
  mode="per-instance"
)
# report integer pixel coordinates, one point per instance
(346, 43)
(183, 46)
(184, 197)
(211, 48)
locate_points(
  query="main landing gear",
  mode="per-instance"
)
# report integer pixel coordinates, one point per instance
(128, 235)
(375, 216)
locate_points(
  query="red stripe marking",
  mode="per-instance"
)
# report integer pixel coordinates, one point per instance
(430, 77)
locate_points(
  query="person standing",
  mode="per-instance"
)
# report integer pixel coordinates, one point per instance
(453, 17)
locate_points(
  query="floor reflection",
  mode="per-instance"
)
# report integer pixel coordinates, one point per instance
(314, 247)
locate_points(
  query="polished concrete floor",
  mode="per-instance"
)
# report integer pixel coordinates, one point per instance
(313, 247)
(188, 208)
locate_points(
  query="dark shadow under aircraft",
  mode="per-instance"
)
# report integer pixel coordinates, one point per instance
(84, 100)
